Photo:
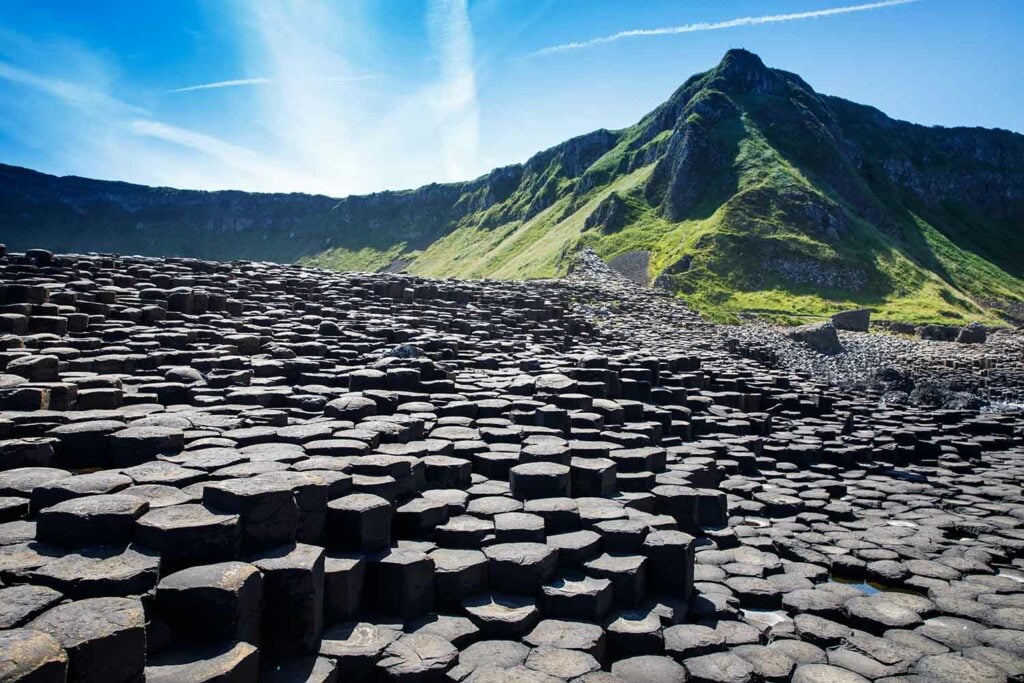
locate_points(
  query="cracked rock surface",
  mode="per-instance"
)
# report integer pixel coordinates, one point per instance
(248, 471)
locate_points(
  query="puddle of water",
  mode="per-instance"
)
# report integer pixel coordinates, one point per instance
(1003, 407)
(871, 587)
(1014, 574)
(865, 587)
(768, 617)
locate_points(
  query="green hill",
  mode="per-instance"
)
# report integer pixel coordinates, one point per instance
(746, 191)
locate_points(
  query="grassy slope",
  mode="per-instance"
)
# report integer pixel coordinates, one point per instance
(898, 285)
(726, 247)
(539, 247)
(935, 266)
(364, 259)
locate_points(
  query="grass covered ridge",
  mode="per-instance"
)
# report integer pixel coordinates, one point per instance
(749, 193)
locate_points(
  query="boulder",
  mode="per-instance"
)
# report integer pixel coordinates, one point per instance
(821, 337)
(972, 333)
(856, 320)
(938, 332)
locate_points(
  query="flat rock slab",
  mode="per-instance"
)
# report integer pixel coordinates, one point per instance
(105, 638)
(31, 655)
(18, 604)
(91, 520)
(417, 656)
(232, 662)
(101, 571)
(568, 635)
(649, 669)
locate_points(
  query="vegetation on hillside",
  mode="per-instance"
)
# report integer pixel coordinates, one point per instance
(749, 192)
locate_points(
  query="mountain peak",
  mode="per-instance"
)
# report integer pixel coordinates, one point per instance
(742, 71)
(744, 192)
(738, 59)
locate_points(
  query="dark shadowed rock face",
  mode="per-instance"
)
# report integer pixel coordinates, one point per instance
(610, 215)
(938, 332)
(299, 475)
(855, 321)
(973, 333)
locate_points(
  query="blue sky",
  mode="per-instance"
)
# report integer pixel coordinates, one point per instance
(356, 96)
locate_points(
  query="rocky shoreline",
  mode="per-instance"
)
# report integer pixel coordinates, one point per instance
(987, 375)
(248, 471)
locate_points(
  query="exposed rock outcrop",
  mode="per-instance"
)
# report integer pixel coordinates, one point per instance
(856, 321)
(821, 337)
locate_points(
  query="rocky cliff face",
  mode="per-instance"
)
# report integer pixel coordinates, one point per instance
(80, 214)
(744, 182)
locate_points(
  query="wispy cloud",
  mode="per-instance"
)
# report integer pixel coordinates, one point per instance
(717, 25)
(75, 94)
(117, 128)
(350, 132)
(318, 116)
(232, 155)
(456, 99)
(234, 83)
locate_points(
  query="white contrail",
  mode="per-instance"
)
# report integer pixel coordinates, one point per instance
(234, 83)
(718, 25)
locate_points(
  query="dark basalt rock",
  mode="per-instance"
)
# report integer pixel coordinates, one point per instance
(938, 332)
(30, 655)
(323, 476)
(972, 333)
(821, 337)
(230, 662)
(105, 638)
(856, 320)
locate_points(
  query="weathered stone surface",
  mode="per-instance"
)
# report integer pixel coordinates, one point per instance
(459, 631)
(501, 615)
(213, 602)
(821, 337)
(268, 513)
(458, 574)
(520, 568)
(31, 655)
(100, 571)
(417, 656)
(649, 669)
(357, 647)
(569, 635)
(105, 638)
(500, 654)
(372, 476)
(856, 320)
(18, 604)
(230, 663)
(561, 663)
(189, 534)
(91, 520)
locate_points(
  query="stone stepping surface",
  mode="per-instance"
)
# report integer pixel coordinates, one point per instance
(257, 472)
